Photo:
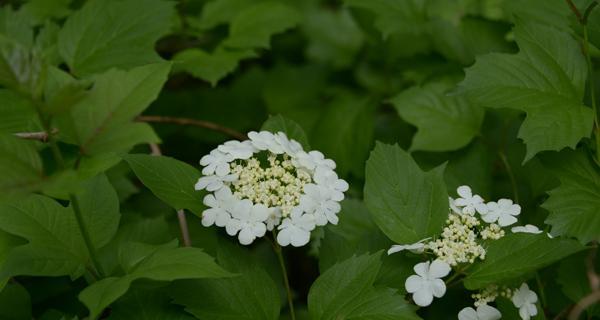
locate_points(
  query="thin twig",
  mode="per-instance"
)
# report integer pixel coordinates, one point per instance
(39, 136)
(573, 8)
(583, 304)
(511, 176)
(286, 281)
(193, 122)
(594, 281)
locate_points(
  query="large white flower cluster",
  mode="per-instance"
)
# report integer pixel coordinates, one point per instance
(471, 222)
(269, 183)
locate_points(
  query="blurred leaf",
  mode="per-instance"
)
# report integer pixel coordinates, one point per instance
(515, 256)
(147, 304)
(444, 123)
(251, 295)
(407, 203)
(62, 91)
(20, 166)
(170, 180)
(392, 16)
(546, 80)
(572, 277)
(39, 10)
(472, 167)
(211, 67)
(346, 291)
(164, 264)
(254, 26)
(17, 113)
(102, 121)
(15, 303)
(106, 34)
(293, 131)
(550, 12)
(575, 205)
(218, 12)
(344, 133)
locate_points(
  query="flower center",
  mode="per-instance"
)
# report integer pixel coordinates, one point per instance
(279, 184)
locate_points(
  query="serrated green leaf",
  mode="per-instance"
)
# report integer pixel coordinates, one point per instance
(102, 121)
(344, 133)
(106, 34)
(99, 207)
(254, 26)
(164, 264)
(407, 203)
(515, 256)
(55, 245)
(346, 291)
(545, 79)
(574, 205)
(211, 67)
(443, 122)
(15, 303)
(251, 295)
(292, 129)
(170, 180)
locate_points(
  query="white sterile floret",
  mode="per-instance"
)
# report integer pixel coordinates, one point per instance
(219, 205)
(528, 228)
(237, 149)
(214, 183)
(525, 300)
(484, 312)
(260, 182)
(504, 212)
(469, 202)
(216, 162)
(317, 200)
(296, 229)
(247, 219)
(427, 282)
(417, 247)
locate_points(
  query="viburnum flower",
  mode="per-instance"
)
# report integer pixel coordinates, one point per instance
(469, 202)
(291, 193)
(484, 312)
(504, 212)
(427, 282)
(528, 228)
(525, 300)
(417, 247)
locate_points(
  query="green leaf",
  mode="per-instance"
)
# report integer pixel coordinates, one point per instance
(572, 278)
(219, 12)
(106, 34)
(211, 67)
(20, 166)
(346, 291)
(515, 256)
(39, 10)
(254, 26)
(99, 207)
(344, 133)
(164, 264)
(145, 303)
(292, 129)
(251, 295)
(169, 179)
(17, 113)
(102, 121)
(545, 79)
(62, 91)
(407, 203)
(55, 245)
(15, 303)
(395, 17)
(574, 205)
(443, 122)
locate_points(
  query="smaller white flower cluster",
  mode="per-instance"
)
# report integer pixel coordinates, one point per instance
(292, 193)
(471, 222)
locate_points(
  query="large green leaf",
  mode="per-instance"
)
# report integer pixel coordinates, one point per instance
(292, 129)
(163, 264)
(15, 303)
(545, 79)
(169, 179)
(346, 291)
(20, 166)
(211, 67)
(254, 26)
(55, 245)
(574, 205)
(515, 256)
(407, 203)
(105, 34)
(253, 294)
(17, 113)
(443, 122)
(145, 303)
(102, 121)
(395, 17)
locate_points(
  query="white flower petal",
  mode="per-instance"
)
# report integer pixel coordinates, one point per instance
(439, 269)
(422, 269)
(423, 297)
(413, 284)
(467, 314)
(485, 312)
(438, 287)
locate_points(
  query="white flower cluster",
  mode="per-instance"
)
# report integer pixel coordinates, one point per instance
(471, 222)
(292, 192)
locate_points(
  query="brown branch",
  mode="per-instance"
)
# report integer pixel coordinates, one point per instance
(594, 280)
(193, 122)
(573, 8)
(583, 304)
(39, 136)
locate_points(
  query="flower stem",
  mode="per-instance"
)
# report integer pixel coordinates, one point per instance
(592, 87)
(286, 281)
(511, 176)
(540, 286)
